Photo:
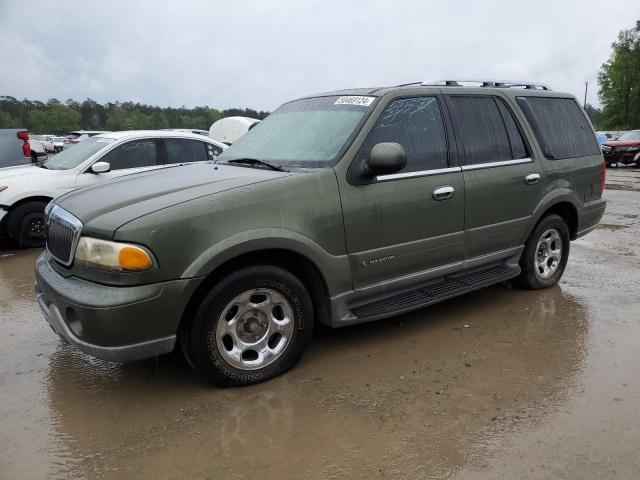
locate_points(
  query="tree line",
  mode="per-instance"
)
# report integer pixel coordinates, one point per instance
(56, 117)
(619, 81)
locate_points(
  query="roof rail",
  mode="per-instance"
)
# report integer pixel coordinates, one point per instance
(489, 84)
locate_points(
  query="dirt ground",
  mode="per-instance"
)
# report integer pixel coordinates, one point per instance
(502, 383)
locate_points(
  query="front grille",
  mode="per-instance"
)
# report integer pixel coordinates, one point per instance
(63, 232)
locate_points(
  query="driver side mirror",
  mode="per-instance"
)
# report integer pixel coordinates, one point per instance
(101, 167)
(386, 158)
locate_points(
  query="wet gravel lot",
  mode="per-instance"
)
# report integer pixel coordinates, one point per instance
(502, 383)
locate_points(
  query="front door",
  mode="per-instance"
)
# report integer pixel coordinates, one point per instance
(402, 225)
(130, 157)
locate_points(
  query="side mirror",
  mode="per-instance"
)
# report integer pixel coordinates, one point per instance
(100, 167)
(386, 158)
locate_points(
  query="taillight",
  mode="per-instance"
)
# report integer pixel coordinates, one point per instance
(604, 175)
(26, 148)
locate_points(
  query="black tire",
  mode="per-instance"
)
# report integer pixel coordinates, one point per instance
(26, 225)
(531, 276)
(200, 343)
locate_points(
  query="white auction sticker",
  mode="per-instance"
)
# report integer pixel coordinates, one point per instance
(355, 100)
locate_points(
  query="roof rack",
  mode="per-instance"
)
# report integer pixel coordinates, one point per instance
(489, 84)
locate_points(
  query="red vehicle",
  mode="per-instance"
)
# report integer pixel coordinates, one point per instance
(624, 150)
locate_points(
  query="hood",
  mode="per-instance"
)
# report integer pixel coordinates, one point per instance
(113, 203)
(622, 143)
(24, 171)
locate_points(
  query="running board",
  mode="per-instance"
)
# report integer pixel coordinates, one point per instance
(452, 286)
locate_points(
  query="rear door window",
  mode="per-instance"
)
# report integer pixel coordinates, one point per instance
(417, 125)
(560, 126)
(481, 131)
(183, 150)
(133, 154)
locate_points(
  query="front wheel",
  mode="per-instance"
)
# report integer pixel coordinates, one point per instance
(252, 326)
(545, 254)
(26, 225)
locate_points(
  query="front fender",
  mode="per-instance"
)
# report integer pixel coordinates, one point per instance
(335, 269)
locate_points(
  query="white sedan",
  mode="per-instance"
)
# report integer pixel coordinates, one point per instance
(26, 190)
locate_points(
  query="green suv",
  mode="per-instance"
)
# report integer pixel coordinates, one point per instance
(339, 208)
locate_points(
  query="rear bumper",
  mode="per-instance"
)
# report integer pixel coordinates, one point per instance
(120, 324)
(590, 215)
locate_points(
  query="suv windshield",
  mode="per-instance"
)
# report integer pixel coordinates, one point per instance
(77, 154)
(630, 136)
(305, 133)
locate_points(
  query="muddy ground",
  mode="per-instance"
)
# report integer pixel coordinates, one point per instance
(502, 383)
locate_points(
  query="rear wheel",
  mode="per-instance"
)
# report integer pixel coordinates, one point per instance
(546, 253)
(252, 326)
(26, 225)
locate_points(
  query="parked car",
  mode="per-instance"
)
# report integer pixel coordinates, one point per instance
(624, 150)
(229, 129)
(15, 147)
(25, 190)
(38, 150)
(47, 142)
(378, 202)
(58, 143)
(80, 135)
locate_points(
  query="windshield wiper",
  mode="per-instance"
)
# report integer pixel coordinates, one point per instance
(255, 161)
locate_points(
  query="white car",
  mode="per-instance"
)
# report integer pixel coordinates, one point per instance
(46, 141)
(26, 190)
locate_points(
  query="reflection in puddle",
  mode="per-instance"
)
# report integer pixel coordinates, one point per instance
(419, 396)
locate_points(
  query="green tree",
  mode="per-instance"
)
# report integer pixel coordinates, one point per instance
(57, 118)
(7, 121)
(595, 115)
(619, 81)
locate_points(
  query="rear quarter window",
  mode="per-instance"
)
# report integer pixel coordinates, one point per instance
(560, 126)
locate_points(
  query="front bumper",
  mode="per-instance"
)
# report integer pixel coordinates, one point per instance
(3, 218)
(620, 157)
(120, 324)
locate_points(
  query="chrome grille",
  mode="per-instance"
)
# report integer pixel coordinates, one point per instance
(63, 233)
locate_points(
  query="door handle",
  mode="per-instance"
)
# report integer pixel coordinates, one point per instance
(532, 178)
(443, 193)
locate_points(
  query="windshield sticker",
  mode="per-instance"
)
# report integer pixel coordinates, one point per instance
(104, 140)
(355, 100)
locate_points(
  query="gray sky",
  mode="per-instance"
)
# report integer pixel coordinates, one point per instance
(259, 54)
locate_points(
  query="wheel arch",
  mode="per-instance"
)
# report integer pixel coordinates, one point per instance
(295, 262)
(563, 203)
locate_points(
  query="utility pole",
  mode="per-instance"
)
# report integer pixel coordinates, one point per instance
(586, 86)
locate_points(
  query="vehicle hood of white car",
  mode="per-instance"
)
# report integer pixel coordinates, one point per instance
(32, 180)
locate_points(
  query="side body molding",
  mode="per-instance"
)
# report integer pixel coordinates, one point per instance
(335, 269)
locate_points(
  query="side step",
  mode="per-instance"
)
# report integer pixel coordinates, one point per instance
(451, 286)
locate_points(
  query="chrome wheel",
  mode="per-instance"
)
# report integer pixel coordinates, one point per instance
(254, 329)
(548, 253)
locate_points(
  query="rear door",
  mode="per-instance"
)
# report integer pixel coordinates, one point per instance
(397, 225)
(129, 157)
(501, 176)
(185, 150)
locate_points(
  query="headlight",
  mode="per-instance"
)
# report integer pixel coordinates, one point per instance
(106, 255)
(605, 148)
(2, 188)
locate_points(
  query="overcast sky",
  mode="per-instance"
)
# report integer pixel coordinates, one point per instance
(258, 54)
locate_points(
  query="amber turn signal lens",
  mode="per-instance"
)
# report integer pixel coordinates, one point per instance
(133, 258)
